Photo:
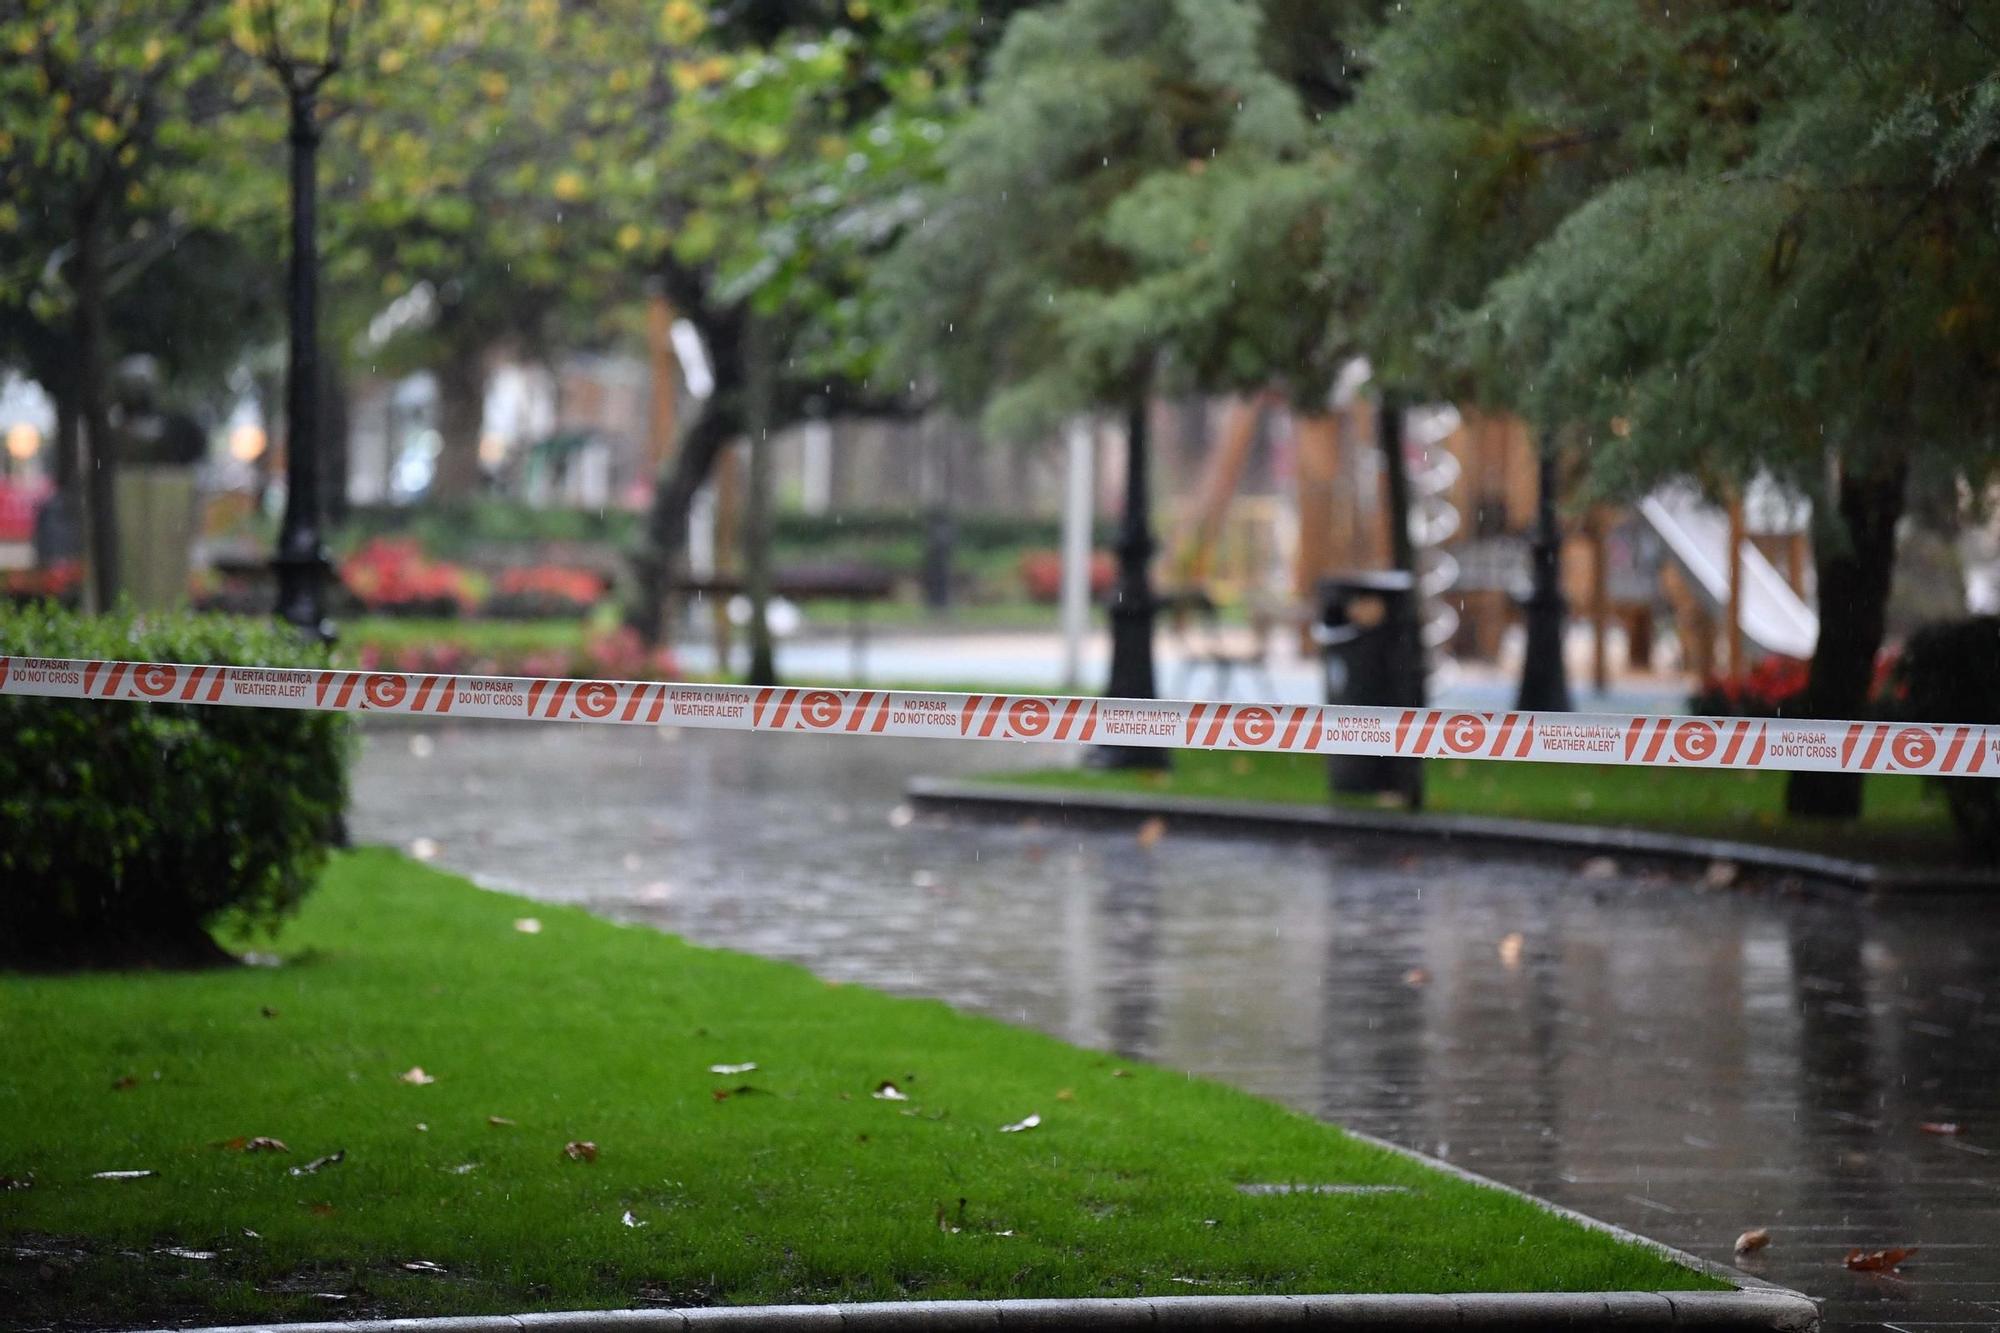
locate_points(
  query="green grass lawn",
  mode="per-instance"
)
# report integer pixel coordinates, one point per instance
(1902, 817)
(799, 1185)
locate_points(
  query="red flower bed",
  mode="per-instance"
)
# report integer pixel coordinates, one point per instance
(535, 591)
(615, 655)
(60, 582)
(392, 576)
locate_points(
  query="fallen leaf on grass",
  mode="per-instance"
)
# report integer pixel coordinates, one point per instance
(1876, 1261)
(318, 1164)
(465, 1168)
(261, 1143)
(1020, 1125)
(415, 1074)
(1510, 949)
(252, 1235)
(580, 1150)
(499, 1121)
(179, 1253)
(423, 1266)
(422, 1128)
(740, 1090)
(632, 1221)
(1752, 1241)
(125, 1084)
(122, 1175)
(267, 1011)
(1121, 1073)
(1939, 1127)
(885, 1091)
(528, 925)
(8, 1183)
(1152, 831)
(320, 1209)
(744, 1068)
(1066, 1094)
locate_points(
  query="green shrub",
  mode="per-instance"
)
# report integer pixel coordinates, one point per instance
(127, 830)
(1948, 672)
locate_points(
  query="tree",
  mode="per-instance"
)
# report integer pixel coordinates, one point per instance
(1137, 202)
(100, 103)
(1786, 279)
(798, 137)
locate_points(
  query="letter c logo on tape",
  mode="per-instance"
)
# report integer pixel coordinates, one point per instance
(1253, 725)
(155, 679)
(1913, 748)
(821, 708)
(1465, 733)
(386, 691)
(596, 699)
(1028, 717)
(1694, 741)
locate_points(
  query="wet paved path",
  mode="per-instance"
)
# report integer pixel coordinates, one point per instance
(1688, 1065)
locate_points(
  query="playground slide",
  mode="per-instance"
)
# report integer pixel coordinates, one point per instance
(1774, 617)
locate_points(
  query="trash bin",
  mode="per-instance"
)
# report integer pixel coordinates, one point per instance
(1368, 645)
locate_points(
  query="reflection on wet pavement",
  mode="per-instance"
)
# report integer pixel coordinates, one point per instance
(1689, 1065)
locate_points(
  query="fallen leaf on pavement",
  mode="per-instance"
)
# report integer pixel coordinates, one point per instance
(423, 1266)
(424, 849)
(1752, 1241)
(1876, 1261)
(885, 1091)
(498, 1121)
(1020, 1125)
(580, 1150)
(743, 1068)
(1416, 976)
(122, 1175)
(415, 1074)
(1938, 1127)
(1599, 867)
(1510, 949)
(901, 816)
(318, 1164)
(1152, 831)
(632, 1221)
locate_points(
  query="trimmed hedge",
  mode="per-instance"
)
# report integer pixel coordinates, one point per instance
(129, 831)
(1949, 671)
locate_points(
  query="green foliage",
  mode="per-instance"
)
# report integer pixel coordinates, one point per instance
(126, 830)
(1137, 191)
(1945, 674)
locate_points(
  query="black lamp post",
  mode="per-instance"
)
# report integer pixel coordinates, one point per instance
(1133, 606)
(304, 51)
(1544, 680)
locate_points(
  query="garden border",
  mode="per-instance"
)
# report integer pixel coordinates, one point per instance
(1266, 818)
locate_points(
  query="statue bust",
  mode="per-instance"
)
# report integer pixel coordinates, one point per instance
(147, 433)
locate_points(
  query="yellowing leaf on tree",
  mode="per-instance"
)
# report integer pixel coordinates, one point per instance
(390, 61)
(629, 236)
(681, 21)
(567, 186)
(494, 84)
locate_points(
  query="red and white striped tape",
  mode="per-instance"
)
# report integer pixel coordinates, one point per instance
(1963, 749)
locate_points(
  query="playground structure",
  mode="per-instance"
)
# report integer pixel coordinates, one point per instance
(1656, 581)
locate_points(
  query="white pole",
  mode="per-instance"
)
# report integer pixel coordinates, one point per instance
(1076, 550)
(816, 484)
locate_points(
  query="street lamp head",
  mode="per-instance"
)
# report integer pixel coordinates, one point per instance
(305, 41)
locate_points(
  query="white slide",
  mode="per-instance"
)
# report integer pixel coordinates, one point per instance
(1774, 617)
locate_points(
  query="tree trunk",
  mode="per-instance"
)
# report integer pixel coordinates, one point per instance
(100, 518)
(1855, 558)
(657, 564)
(461, 387)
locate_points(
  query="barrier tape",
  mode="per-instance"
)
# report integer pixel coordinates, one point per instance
(1959, 749)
